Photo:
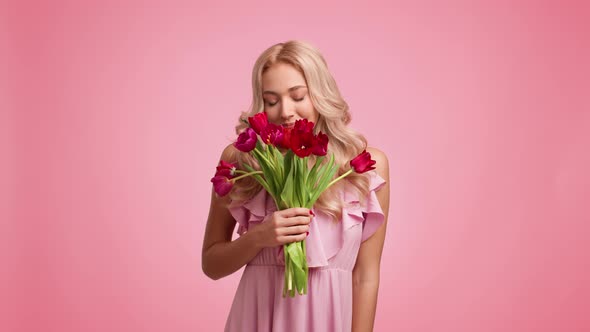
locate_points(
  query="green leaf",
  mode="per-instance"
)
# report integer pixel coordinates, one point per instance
(304, 174)
(296, 254)
(258, 178)
(326, 176)
(312, 178)
(287, 192)
(300, 281)
(298, 266)
(269, 172)
(259, 145)
(323, 169)
(288, 161)
(300, 180)
(278, 158)
(292, 276)
(296, 183)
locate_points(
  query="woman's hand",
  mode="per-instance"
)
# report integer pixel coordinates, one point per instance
(282, 227)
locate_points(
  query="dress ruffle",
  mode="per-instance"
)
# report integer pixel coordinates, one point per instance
(326, 237)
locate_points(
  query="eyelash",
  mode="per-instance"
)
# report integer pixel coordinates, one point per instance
(269, 104)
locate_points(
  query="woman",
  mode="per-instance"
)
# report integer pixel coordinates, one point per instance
(344, 233)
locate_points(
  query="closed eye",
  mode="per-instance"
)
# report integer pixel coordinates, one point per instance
(297, 100)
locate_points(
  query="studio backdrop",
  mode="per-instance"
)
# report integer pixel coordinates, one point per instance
(113, 115)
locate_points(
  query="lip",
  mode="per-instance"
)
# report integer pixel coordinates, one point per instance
(288, 125)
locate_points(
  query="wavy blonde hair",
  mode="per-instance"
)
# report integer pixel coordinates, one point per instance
(333, 120)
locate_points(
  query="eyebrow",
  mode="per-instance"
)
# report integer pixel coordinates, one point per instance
(290, 89)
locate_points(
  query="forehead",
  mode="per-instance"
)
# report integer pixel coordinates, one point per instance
(281, 77)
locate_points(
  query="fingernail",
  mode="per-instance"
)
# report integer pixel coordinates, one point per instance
(311, 212)
(307, 233)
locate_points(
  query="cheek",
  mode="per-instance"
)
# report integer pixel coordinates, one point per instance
(272, 116)
(310, 111)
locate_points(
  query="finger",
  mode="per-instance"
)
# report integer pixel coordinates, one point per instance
(287, 222)
(292, 238)
(293, 212)
(293, 230)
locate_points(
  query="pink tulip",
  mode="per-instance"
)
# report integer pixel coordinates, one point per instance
(246, 140)
(222, 184)
(226, 169)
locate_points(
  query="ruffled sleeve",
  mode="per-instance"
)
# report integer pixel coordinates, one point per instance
(372, 210)
(369, 213)
(251, 212)
(327, 238)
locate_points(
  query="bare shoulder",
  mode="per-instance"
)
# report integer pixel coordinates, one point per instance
(229, 153)
(368, 260)
(220, 222)
(382, 162)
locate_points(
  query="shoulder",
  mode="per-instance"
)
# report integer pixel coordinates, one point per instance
(382, 162)
(369, 256)
(230, 153)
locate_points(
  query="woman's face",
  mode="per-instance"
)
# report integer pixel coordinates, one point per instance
(286, 98)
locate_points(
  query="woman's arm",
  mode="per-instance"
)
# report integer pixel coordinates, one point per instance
(220, 255)
(366, 270)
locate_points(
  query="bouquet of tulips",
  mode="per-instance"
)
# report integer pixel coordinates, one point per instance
(282, 154)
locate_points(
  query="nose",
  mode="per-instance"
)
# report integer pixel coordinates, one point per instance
(287, 109)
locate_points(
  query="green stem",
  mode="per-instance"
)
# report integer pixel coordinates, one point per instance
(274, 152)
(339, 178)
(261, 155)
(247, 174)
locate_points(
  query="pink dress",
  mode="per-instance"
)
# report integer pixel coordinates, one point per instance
(331, 248)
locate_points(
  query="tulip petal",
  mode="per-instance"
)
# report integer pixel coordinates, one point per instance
(222, 185)
(363, 162)
(258, 122)
(246, 140)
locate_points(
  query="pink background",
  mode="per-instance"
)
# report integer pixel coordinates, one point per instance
(113, 117)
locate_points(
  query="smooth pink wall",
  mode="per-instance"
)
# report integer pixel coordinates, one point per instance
(122, 110)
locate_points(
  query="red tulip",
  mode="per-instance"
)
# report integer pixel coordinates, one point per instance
(226, 169)
(258, 122)
(320, 144)
(302, 138)
(363, 162)
(286, 141)
(222, 184)
(302, 143)
(246, 140)
(303, 125)
(272, 134)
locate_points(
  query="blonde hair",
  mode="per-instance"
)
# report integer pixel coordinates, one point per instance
(334, 116)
